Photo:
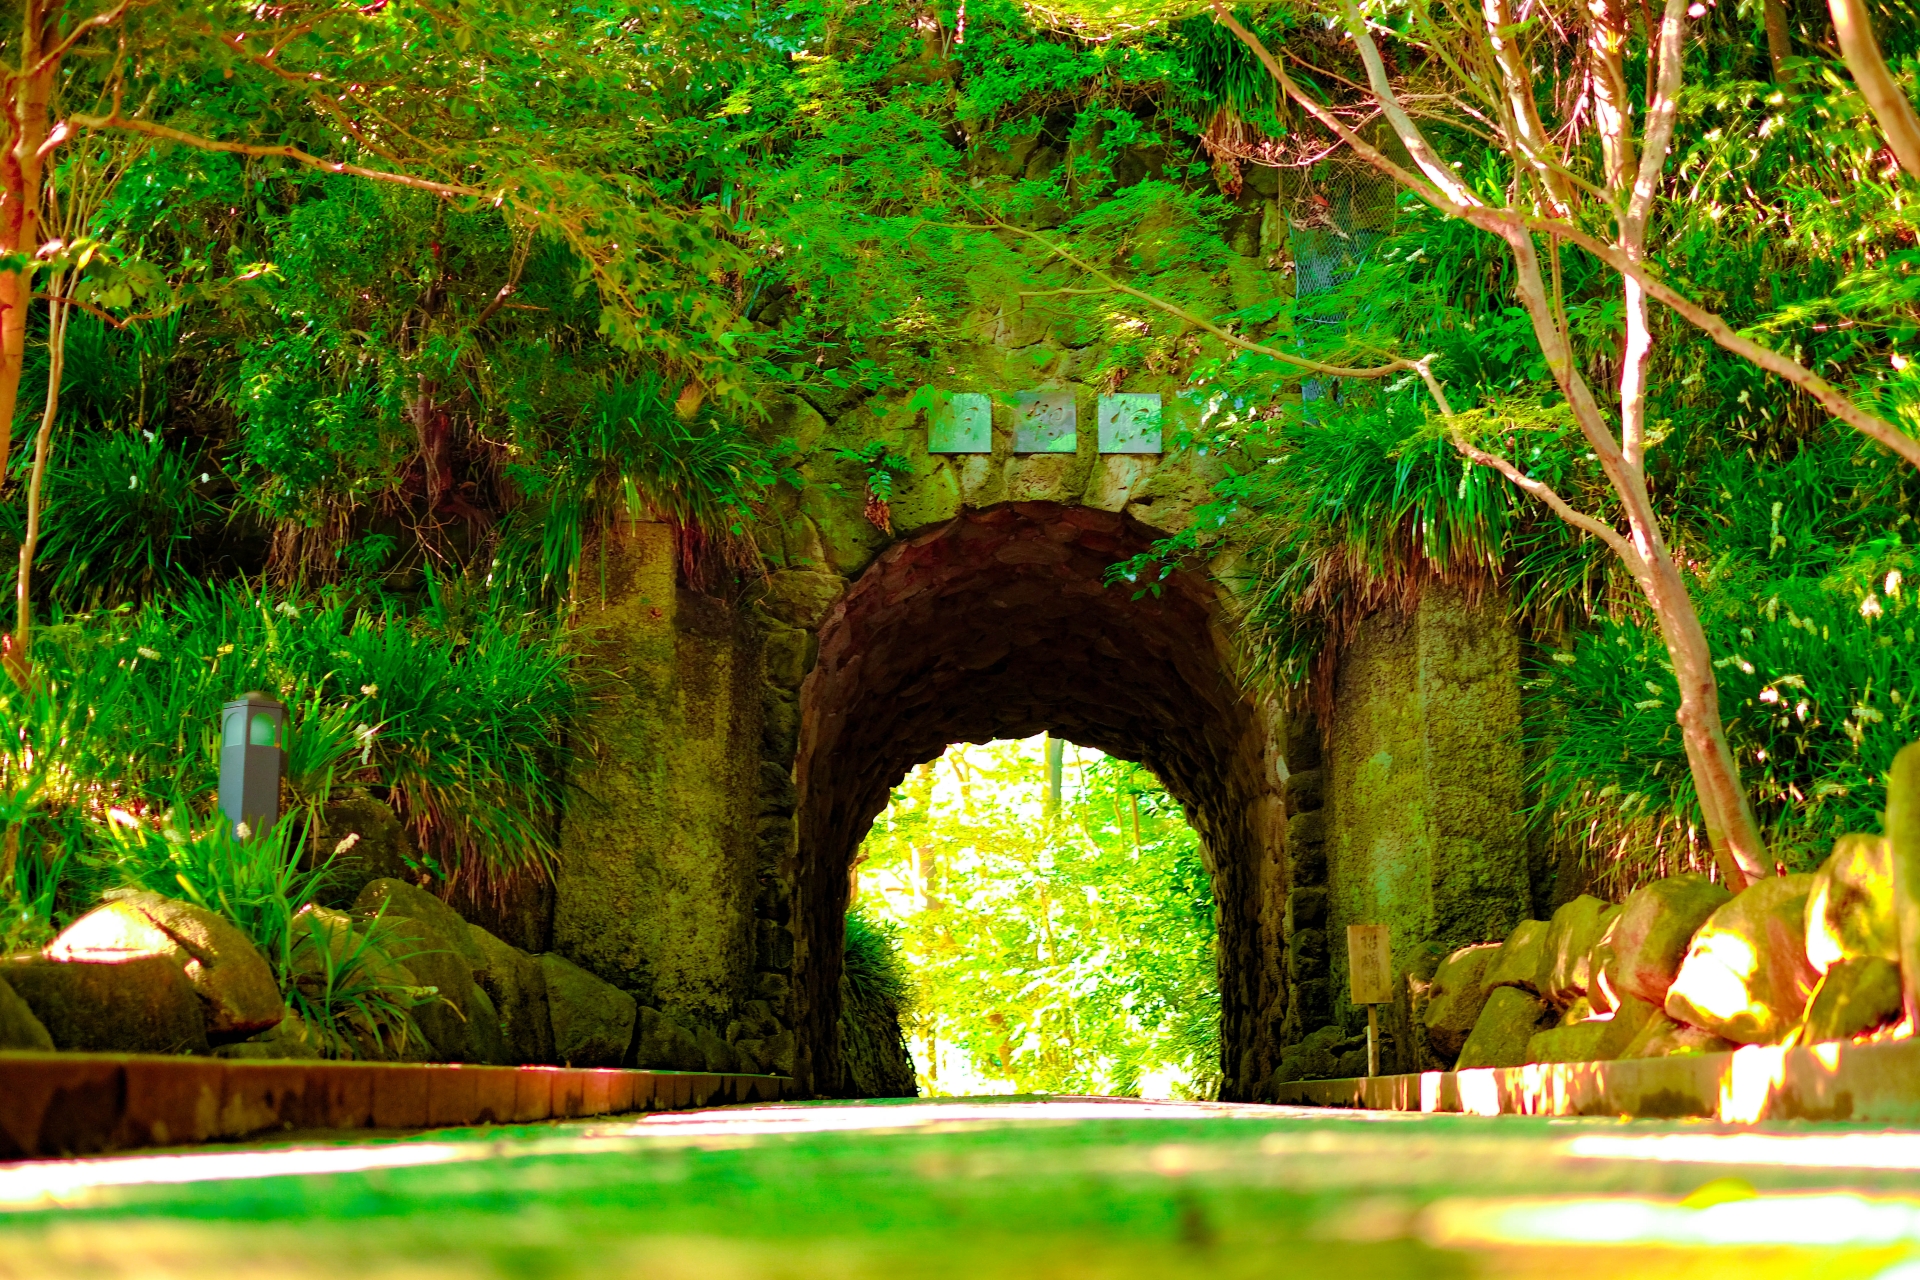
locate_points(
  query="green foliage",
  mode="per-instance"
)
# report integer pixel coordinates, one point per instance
(880, 464)
(1071, 958)
(459, 714)
(349, 985)
(258, 883)
(122, 512)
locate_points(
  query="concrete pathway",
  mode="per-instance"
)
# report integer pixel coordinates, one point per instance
(1066, 1188)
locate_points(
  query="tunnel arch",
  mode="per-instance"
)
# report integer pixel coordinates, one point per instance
(998, 623)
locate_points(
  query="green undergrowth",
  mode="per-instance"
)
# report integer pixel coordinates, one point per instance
(458, 715)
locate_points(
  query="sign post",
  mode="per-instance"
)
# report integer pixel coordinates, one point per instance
(1370, 980)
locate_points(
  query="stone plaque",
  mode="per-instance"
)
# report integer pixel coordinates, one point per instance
(1369, 964)
(964, 424)
(1130, 423)
(1044, 422)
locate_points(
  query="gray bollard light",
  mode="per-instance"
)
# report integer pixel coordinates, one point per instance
(253, 736)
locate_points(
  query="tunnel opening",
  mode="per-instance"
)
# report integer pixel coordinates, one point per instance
(1045, 912)
(999, 624)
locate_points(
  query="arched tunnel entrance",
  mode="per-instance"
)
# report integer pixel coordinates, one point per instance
(999, 624)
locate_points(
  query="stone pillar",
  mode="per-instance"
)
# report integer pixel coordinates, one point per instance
(1423, 786)
(657, 882)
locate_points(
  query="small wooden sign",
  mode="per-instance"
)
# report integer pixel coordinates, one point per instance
(1369, 964)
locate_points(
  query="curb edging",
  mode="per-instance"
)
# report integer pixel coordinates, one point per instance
(1872, 1083)
(57, 1104)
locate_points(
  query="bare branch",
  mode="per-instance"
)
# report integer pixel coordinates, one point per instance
(1623, 548)
(149, 129)
(1181, 313)
(1831, 398)
(1883, 93)
(51, 58)
(1659, 131)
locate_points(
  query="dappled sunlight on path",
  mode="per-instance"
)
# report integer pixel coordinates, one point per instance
(1023, 1186)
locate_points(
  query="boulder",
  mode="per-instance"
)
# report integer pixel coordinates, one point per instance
(290, 1038)
(780, 1052)
(1646, 942)
(437, 945)
(1663, 1037)
(398, 898)
(753, 1056)
(1579, 1042)
(592, 1020)
(1595, 1038)
(335, 967)
(441, 981)
(664, 1045)
(1746, 976)
(19, 1029)
(238, 994)
(1855, 996)
(130, 1004)
(486, 1037)
(716, 1054)
(1850, 910)
(366, 841)
(517, 986)
(1523, 961)
(1316, 1057)
(1571, 936)
(1456, 997)
(1506, 1025)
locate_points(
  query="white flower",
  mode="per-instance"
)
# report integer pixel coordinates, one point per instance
(243, 831)
(204, 477)
(1893, 582)
(352, 839)
(1870, 607)
(287, 607)
(133, 482)
(371, 690)
(151, 655)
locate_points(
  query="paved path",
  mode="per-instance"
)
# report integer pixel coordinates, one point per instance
(1028, 1188)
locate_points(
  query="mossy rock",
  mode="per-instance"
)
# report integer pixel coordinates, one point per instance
(1506, 1026)
(366, 842)
(592, 1019)
(135, 1004)
(289, 1039)
(1643, 947)
(1746, 976)
(1664, 1037)
(1571, 935)
(661, 1044)
(238, 994)
(19, 1028)
(1523, 961)
(516, 985)
(1850, 911)
(1855, 996)
(1456, 997)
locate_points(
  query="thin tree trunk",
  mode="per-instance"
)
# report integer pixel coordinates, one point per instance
(22, 172)
(1898, 124)
(1779, 44)
(56, 366)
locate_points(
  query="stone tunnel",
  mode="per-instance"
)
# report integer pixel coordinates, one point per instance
(740, 746)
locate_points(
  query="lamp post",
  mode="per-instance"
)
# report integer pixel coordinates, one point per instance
(253, 735)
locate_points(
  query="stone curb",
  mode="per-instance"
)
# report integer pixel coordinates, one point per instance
(56, 1104)
(1871, 1083)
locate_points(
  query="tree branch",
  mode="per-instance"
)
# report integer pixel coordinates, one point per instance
(1181, 313)
(1876, 84)
(149, 129)
(1561, 507)
(1831, 398)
